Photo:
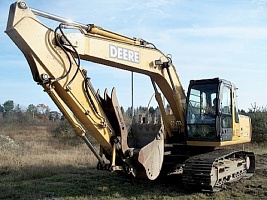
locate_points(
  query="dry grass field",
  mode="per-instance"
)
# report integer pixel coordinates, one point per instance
(34, 165)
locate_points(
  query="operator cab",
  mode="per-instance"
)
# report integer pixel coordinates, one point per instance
(209, 114)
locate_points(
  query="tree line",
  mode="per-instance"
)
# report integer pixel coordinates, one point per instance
(11, 112)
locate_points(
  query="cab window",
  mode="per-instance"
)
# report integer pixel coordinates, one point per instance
(226, 108)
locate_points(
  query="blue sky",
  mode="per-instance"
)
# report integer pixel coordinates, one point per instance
(207, 39)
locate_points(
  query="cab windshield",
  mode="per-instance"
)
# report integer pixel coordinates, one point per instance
(202, 110)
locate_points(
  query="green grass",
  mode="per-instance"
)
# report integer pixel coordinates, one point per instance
(69, 182)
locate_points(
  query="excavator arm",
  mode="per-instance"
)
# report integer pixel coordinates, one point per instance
(54, 59)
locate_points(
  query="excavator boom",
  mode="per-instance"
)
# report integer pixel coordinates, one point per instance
(54, 58)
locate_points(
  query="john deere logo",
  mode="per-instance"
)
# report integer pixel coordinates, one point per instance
(123, 54)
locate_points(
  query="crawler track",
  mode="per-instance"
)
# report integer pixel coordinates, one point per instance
(208, 172)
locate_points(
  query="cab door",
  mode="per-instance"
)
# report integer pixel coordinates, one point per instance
(225, 112)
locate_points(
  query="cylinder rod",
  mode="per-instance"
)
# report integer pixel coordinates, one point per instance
(91, 147)
(56, 18)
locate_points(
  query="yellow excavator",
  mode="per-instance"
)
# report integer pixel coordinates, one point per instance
(192, 138)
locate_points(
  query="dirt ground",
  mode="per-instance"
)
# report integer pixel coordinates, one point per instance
(34, 165)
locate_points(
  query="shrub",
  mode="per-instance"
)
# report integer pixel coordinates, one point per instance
(259, 124)
(63, 130)
(65, 133)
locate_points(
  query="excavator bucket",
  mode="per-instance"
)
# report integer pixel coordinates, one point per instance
(145, 141)
(149, 139)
